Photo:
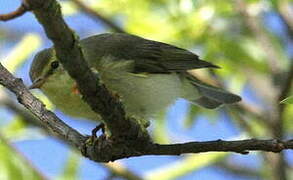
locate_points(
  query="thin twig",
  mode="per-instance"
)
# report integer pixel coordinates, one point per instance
(12, 15)
(240, 146)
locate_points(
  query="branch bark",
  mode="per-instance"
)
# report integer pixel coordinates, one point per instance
(47, 118)
(116, 169)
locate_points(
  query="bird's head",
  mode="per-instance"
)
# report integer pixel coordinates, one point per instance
(44, 68)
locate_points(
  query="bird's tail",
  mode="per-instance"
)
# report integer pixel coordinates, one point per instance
(211, 97)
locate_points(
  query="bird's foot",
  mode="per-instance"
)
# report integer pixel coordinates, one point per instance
(93, 137)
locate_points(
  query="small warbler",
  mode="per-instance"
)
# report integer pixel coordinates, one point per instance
(147, 75)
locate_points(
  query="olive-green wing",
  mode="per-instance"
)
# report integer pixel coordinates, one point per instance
(159, 57)
(148, 56)
(156, 57)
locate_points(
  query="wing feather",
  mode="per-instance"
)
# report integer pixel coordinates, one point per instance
(148, 56)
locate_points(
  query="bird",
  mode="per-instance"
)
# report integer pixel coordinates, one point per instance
(147, 75)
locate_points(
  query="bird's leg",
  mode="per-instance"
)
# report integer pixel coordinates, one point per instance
(94, 137)
(101, 126)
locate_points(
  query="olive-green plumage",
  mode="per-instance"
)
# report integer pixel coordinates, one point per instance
(147, 75)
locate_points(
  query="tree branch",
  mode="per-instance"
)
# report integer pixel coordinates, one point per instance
(48, 119)
(108, 150)
(16, 109)
(115, 168)
(12, 15)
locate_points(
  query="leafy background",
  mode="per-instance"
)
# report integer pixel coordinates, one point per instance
(252, 42)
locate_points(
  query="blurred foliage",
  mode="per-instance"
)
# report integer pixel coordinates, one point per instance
(26, 46)
(218, 32)
(72, 166)
(14, 166)
(186, 165)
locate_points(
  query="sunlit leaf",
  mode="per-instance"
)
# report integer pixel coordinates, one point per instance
(288, 100)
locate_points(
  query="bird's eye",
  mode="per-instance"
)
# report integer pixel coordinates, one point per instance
(54, 64)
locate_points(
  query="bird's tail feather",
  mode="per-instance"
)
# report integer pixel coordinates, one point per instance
(212, 97)
(207, 103)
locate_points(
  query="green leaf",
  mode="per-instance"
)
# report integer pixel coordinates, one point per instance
(288, 100)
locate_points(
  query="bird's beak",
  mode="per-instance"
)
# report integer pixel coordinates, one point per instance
(37, 83)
